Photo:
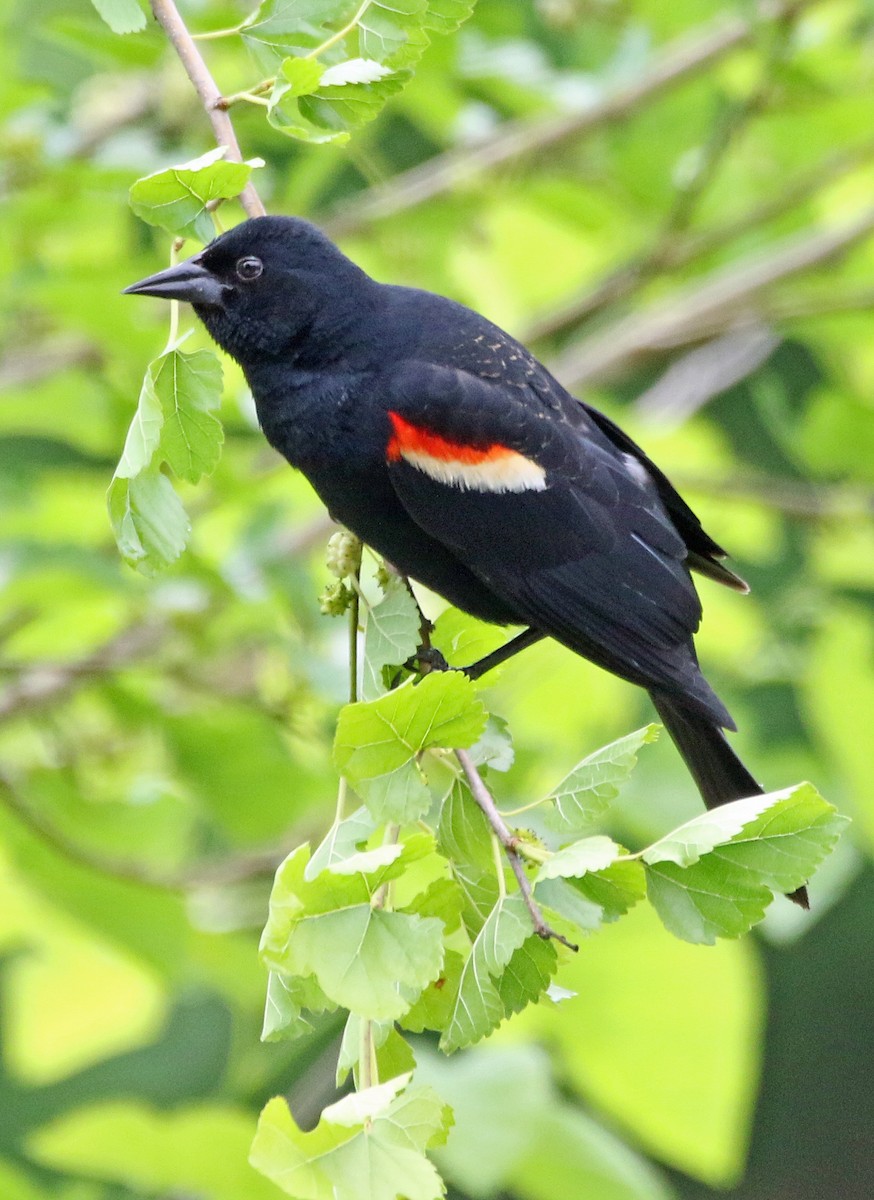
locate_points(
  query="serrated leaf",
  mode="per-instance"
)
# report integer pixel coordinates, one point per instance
(463, 837)
(391, 635)
(589, 854)
(373, 962)
(122, 16)
(330, 112)
(366, 959)
(485, 996)
(286, 1002)
(779, 840)
(188, 388)
(370, 1143)
(433, 1008)
(368, 51)
(341, 841)
(585, 794)
(175, 198)
(495, 748)
(377, 740)
(150, 525)
(302, 75)
(173, 424)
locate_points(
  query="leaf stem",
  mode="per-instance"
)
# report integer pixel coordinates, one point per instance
(213, 34)
(499, 867)
(512, 847)
(354, 616)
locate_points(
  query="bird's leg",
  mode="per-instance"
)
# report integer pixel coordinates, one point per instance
(521, 641)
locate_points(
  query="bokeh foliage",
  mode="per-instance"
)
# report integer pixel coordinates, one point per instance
(679, 188)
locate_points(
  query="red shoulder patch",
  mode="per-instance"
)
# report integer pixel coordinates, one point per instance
(409, 438)
(490, 468)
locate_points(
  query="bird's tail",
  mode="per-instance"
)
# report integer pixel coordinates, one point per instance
(718, 772)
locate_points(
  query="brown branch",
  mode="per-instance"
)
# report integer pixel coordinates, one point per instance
(483, 798)
(679, 61)
(167, 16)
(724, 299)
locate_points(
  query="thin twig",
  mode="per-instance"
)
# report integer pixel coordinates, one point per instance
(483, 798)
(167, 16)
(679, 61)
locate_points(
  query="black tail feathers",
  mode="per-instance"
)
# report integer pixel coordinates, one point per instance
(718, 772)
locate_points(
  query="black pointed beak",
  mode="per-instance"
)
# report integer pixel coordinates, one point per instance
(188, 280)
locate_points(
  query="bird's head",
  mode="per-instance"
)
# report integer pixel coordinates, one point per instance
(263, 286)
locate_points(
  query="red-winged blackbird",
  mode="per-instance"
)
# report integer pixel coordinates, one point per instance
(446, 446)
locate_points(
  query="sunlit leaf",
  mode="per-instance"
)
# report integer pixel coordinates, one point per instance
(739, 855)
(369, 1143)
(584, 794)
(176, 198)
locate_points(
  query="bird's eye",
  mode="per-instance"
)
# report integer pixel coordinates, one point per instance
(249, 268)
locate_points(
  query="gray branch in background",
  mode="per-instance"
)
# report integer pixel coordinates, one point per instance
(695, 378)
(679, 61)
(725, 299)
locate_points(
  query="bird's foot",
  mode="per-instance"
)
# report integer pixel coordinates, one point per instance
(427, 659)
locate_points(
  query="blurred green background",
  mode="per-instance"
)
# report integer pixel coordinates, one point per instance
(673, 204)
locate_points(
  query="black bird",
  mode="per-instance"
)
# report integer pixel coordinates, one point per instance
(446, 446)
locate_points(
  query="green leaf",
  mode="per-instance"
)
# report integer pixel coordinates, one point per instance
(495, 748)
(333, 109)
(370, 1143)
(173, 424)
(738, 855)
(393, 1055)
(367, 48)
(377, 738)
(175, 198)
(366, 959)
(188, 388)
(590, 854)
(391, 635)
(148, 520)
(341, 842)
(287, 1000)
(464, 839)
(122, 16)
(486, 993)
(584, 794)
(434, 1007)
(302, 76)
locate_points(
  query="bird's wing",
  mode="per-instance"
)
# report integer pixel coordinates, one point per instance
(553, 517)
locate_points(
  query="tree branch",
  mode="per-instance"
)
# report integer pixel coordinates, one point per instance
(45, 683)
(167, 16)
(725, 298)
(679, 61)
(483, 798)
(676, 252)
